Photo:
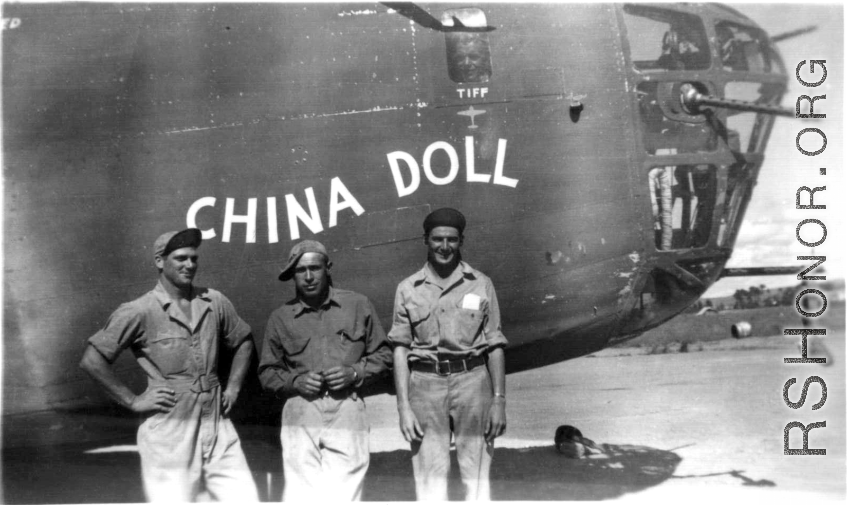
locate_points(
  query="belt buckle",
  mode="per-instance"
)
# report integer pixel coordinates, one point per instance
(438, 368)
(200, 384)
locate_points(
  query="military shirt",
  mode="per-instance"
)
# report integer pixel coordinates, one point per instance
(153, 327)
(182, 355)
(451, 318)
(343, 331)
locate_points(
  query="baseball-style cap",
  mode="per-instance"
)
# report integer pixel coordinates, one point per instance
(298, 251)
(173, 240)
(444, 217)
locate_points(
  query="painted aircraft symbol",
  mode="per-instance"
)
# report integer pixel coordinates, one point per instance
(471, 112)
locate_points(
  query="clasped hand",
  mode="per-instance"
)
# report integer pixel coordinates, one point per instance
(336, 379)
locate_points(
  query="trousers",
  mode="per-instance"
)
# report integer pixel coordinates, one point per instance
(325, 449)
(464, 398)
(193, 447)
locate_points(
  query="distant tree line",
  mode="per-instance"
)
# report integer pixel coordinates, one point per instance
(751, 298)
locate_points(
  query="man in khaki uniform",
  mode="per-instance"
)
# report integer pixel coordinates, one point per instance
(449, 366)
(186, 442)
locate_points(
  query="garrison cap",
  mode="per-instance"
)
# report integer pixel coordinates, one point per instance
(173, 240)
(297, 252)
(444, 217)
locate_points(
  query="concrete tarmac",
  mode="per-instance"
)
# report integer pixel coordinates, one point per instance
(701, 425)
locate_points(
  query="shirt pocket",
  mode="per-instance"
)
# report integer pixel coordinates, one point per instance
(351, 345)
(468, 324)
(169, 351)
(295, 345)
(419, 321)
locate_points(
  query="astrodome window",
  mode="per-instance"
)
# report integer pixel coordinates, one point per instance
(664, 39)
(468, 53)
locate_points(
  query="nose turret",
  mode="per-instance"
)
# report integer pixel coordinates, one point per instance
(707, 85)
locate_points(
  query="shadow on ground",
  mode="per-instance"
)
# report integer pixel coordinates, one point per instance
(66, 474)
(537, 473)
(56, 468)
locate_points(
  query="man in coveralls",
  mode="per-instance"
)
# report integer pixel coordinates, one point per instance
(186, 442)
(319, 349)
(449, 364)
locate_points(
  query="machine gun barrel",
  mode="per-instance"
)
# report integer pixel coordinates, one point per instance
(692, 100)
(749, 272)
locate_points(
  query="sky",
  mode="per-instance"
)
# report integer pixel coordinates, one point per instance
(768, 234)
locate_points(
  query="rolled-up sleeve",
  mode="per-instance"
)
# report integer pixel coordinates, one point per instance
(274, 373)
(493, 331)
(123, 328)
(401, 328)
(235, 329)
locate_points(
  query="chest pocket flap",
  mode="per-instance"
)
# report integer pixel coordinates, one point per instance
(169, 351)
(351, 335)
(469, 318)
(294, 345)
(417, 315)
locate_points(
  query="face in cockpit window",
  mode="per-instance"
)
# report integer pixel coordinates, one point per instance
(469, 57)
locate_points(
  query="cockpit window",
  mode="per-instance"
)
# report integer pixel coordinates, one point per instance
(663, 39)
(742, 49)
(468, 54)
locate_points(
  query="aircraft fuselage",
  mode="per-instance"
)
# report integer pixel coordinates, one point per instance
(598, 207)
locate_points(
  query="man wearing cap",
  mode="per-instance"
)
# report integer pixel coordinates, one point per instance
(448, 364)
(319, 348)
(186, 442)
